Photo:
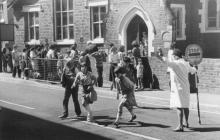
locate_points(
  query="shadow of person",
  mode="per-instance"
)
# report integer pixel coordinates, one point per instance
(205, 129)
(154, 108)
(104, 120)
(143, 124)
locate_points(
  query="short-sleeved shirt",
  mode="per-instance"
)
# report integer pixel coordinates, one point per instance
(114, 58)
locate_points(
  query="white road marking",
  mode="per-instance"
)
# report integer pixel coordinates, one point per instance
(123, 131)
(7, 102)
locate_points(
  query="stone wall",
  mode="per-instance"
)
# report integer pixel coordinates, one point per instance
(46, 21)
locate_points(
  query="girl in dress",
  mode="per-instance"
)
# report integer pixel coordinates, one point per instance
(87, 80)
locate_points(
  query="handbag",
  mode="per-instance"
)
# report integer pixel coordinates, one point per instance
(93, 95)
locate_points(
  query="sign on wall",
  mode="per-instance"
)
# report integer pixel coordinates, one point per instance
(6, 32)
(194, 54)
(167, 37)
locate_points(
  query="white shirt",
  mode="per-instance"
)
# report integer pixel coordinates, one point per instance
(114, 58)
(51, 54)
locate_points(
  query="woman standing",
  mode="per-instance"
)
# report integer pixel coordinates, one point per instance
(113, 60)
(180, 90)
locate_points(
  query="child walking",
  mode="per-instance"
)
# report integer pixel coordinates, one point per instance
(140, 70)
(126, 88)
(89, 95)
(67, 79)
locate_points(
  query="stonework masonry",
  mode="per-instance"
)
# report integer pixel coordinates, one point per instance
(209, 69)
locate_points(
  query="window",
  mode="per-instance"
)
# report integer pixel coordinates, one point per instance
(213, 14)
(64, 19)
(1, 12)
(98, 26)
(179, 11)
(33, 25)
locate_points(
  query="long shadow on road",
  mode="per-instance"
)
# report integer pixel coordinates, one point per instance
(18, 126)
(206, 129)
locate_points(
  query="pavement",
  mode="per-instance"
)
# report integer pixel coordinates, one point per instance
(208, 103)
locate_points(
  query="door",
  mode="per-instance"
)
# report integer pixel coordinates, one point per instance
(135, 31)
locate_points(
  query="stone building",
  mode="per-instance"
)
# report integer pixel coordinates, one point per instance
(121, 22)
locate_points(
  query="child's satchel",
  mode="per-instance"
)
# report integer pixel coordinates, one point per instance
(127, 84)
(93, 95)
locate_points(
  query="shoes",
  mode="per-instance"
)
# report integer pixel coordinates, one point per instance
(133, 118)
(116, 124)
(76, 116)
(90, 119)
(63, 116)
(178, 129)
(186, 125)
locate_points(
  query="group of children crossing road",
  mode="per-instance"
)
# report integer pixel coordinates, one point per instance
(78, 73)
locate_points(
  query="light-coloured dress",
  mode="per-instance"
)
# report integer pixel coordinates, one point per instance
(180, 90)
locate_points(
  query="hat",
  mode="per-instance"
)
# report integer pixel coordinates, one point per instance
(89, 42)
(134, 43)
(177, 52)
(119, 70)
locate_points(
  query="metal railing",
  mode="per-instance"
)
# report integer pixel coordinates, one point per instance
(46, 69)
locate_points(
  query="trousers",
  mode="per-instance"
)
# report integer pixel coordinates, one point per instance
(74, 93)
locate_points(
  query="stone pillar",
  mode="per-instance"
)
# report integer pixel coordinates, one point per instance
(169, 35)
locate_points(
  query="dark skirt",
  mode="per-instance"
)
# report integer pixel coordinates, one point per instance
(147, 73)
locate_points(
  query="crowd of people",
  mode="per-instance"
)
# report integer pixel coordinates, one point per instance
(128, 71)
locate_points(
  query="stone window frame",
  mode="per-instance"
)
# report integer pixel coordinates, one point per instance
(99, 22)
(35, 25)
(183, 21)
(204, 18)
(33, 9)
(68, 39)
(91, 5)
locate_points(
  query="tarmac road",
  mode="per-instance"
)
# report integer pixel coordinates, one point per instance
(30, 110)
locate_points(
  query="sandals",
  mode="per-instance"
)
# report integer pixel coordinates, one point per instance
(178, 129)
(132, 118)
(116, 124)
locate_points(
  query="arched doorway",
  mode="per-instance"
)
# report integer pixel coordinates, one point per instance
(135, 30)
(127, 24)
